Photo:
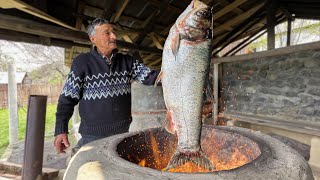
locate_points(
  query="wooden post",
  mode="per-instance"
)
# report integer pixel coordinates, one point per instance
(215, 93)
(12, 103)
(271, 22)
(289, 32)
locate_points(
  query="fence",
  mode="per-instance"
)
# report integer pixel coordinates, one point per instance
(24, 90)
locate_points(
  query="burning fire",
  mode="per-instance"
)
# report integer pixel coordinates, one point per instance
(225, 156)
(142, 163)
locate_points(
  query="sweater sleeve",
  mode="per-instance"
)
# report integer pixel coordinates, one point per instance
(69, 97)
(143, 74)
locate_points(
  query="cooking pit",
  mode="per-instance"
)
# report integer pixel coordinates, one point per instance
(237, 153)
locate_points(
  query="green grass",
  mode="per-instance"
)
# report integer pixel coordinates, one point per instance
(4, 125)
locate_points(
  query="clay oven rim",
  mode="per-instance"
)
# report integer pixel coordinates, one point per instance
(264, 148)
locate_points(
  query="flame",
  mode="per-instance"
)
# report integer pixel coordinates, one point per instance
(142, 163)
(237, 159)
(224, 155)
(188, 167)
(155, 150)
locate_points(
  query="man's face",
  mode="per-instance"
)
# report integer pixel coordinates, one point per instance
(104, 38)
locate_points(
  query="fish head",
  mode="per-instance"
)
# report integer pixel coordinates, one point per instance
(195, 23)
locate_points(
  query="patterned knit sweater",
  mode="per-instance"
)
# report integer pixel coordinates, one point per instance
(103, 92)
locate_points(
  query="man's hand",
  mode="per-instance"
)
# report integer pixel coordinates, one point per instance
(61, 143)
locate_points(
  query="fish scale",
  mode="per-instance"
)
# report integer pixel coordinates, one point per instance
(185, 64)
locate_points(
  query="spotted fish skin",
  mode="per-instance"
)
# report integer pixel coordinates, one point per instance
(185, 63)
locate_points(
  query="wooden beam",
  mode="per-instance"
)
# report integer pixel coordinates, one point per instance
(228, 28)
(215, 93)
(125, 31)
(138, 21)
(27, 26)
(119, 12)
(125, 36)
(147, 58)
(130, 18)
(256, 29)
(151, 21)
(238, 19)
(167, 29)
(156, 41)
(170, 7)
(262, 23)
(81, 7)
(271, 23)
(97, 10)
(6, 4)
(138, 48)
(71, 52)
(122, 17)
(227, 9)
(248, 42)
(270, 53)
(240, 29)
(286, 12)
(226, 3)
(108, 11)
(289, 21)
(35, 28)
(156, 62)
(34, 39)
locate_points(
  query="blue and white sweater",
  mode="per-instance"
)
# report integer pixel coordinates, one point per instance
(103, 92)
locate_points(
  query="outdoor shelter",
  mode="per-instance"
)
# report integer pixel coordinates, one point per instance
(275, 91)
(142, 25)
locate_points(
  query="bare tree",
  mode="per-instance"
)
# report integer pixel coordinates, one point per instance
(4, 60)
(46, 62)
(303, 31)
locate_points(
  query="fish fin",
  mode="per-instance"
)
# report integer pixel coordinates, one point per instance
(197, 4)
(168, 125)
(192, 3)
(198, 158)
(158, 78)
(175, 43)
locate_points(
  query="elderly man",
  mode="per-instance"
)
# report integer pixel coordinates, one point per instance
(100, 81)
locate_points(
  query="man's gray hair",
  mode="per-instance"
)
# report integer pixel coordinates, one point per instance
(91, 30)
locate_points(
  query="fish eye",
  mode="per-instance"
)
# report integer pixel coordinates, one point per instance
(200, 13)
(203, 13)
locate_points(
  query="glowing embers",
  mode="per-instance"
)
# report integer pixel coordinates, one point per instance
(225, 149)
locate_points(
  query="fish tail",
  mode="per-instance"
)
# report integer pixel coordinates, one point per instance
(198, 158)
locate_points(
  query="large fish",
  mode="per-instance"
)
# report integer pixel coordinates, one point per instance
(185, 63)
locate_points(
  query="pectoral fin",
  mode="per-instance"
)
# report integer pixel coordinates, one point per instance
(168, 124)
(175, 43)
(158, 78)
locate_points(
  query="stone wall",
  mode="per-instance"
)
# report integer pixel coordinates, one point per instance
(283, 86)
(148, 107)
